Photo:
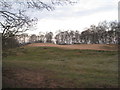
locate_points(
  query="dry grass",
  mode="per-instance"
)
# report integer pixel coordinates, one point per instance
(50, 67)
(105, 47)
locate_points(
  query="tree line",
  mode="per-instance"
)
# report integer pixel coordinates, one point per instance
(104, 33)
(14, 17)
(15, 20)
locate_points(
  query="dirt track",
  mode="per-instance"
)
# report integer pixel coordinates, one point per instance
(78, 46)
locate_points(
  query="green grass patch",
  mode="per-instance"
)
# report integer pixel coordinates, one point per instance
(73, 68)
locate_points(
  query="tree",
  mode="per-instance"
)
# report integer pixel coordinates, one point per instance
(33, 38)
(49, 37)
(14, 18)
(22, 38)
(77, 37)
(71, 36)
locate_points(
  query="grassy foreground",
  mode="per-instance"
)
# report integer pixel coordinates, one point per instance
(36, 67)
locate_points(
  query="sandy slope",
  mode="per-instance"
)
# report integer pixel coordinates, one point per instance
(78, 46)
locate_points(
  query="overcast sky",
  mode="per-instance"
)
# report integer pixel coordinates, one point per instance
(76, 17)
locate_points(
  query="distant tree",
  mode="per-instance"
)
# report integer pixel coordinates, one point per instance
(41, 38)
(57, 38)
(49, 37)
(67, 37)
(104, 33)
(72, 34)
(77, 37)
(14, 18)
(113, 32)
(33, 38)
(84, 37)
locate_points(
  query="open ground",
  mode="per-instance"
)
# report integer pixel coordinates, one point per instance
(61, 66)
(105, 47)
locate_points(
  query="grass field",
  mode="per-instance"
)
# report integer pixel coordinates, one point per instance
(52, 67)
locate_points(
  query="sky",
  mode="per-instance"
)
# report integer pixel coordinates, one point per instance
(73, 17)
(78, 16)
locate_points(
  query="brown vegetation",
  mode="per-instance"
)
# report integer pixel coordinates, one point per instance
(105, 47)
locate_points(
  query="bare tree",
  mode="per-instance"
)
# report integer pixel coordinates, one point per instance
(33, 38)
(14, 18)
(49, 37)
